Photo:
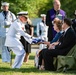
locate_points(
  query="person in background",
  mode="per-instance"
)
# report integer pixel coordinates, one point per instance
(74, 22)
(13, 39)
(6, 19)
(56, 11)
(42, 30)
(29, 29)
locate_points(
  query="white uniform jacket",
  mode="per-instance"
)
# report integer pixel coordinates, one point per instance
(5, 23)
(41, 27)
(14, 33)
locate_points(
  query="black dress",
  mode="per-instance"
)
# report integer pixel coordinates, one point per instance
(26, 45)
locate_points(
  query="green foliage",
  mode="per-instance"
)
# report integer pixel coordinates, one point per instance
(36, 7)
(69, 7)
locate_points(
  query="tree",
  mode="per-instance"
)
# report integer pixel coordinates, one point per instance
(36, 7)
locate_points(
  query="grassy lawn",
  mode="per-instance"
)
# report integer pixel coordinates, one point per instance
(28, 69)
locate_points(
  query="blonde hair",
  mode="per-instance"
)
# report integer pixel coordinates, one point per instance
(29, 21)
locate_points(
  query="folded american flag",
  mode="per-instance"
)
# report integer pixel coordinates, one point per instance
(36, 40)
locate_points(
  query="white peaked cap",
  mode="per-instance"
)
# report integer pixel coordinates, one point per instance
(43, 15)
(5, 4)
(22, 13)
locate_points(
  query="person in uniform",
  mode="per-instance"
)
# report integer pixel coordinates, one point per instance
(42, 30)
(29, 29)
(13, 39)
(51, 14)
(6, 19)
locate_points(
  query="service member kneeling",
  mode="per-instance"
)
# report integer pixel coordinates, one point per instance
(13, 39)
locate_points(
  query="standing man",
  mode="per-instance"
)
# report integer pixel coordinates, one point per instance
(51, 14)
(13, 39)
(42, 30)
(6, 19)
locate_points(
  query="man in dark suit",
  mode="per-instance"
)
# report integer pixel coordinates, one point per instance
(66, 42)
(51, 14)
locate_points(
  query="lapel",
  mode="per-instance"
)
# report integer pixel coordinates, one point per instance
(66, 32)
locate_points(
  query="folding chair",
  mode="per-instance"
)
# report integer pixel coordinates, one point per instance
(64, 63)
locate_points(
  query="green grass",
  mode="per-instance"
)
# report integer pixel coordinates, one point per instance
(28, 69)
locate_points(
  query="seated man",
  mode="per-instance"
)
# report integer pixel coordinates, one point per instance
(65, 43)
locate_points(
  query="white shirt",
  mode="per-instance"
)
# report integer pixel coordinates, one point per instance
(5, 22)
(66, 29)
(14, 33)
(43, 28)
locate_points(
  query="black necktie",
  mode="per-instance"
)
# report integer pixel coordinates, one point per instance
(5, 13)
(63, 33)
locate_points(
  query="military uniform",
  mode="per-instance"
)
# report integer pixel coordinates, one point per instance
(6, 19)
(13, 41)
(42, 30)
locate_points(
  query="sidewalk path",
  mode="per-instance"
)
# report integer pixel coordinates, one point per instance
(34, 47)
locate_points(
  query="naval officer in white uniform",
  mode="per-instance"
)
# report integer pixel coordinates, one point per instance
(13, 39)
(6, 19)
(42, 30)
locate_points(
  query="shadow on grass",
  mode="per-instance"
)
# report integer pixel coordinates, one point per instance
(33, 69)
(23, 70)
(32, 57)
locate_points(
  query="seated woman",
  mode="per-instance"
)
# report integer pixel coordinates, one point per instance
(61, 47)
(57, 27)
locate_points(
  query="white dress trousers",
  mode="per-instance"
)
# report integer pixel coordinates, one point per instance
(13, 42)
(4, 27)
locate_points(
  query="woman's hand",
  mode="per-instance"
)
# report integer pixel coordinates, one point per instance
(52, 46)
(48, 43)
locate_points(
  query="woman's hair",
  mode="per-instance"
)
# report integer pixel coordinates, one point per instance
(29, 21)
(58, 22)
